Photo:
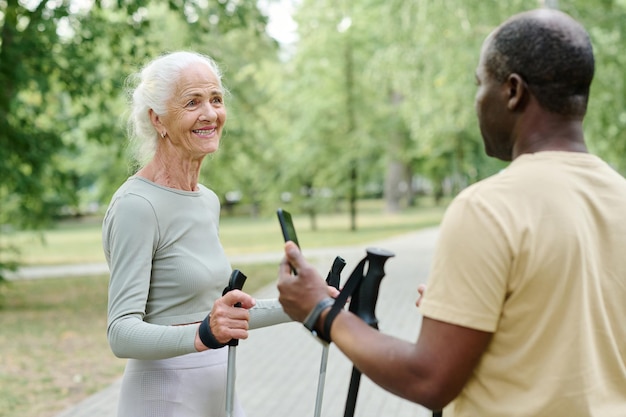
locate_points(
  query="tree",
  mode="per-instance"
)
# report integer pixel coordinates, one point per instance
(384, 101)
(605, 123)
(328, 149)
(60, 124)
(30, 130)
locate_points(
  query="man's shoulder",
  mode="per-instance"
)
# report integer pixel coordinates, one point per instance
(487, 185)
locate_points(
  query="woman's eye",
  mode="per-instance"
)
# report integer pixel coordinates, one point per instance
(191, 103)
(217, 99)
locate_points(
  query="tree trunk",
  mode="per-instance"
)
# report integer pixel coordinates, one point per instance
(392, 191)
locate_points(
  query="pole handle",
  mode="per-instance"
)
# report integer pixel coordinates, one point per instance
(334, 275)
(236, 281)
(363, 304)
(364, 300)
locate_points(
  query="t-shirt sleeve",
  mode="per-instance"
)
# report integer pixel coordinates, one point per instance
(468, 281)
(130, 238)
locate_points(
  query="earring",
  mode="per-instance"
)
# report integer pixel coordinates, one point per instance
(162, 134)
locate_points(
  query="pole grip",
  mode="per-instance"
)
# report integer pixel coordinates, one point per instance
(364, 301)
(363, 304)
(236, 281)
(334, 275)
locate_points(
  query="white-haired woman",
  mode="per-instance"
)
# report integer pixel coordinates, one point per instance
(166, 312)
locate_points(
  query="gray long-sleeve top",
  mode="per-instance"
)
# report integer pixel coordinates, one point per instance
(167, 268)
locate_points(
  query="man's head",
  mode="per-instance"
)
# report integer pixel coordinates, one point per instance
(544, 53)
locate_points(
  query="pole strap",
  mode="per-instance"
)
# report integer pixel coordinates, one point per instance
(351, 285)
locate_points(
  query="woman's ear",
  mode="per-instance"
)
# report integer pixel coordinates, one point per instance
(517, 90)
(156, 121)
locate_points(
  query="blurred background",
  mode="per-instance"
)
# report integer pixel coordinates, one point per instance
(357, 116)
(331, 101)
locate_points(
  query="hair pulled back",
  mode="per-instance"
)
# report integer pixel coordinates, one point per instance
(151, 88)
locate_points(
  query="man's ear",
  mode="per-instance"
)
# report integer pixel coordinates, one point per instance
(517, 89)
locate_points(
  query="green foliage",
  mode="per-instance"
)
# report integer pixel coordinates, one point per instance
(606, 119)
(394, 88)
(62, 140)
(32, 184)
(30, 136)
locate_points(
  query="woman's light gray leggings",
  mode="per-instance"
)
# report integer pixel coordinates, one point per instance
(192, 385)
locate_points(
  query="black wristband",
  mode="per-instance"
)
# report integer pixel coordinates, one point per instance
(206, 336)
(328, 322)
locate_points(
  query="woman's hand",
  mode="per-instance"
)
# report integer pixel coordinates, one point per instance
(226, 321)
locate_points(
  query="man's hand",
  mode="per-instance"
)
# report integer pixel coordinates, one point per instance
(300, 293)
(421, 289)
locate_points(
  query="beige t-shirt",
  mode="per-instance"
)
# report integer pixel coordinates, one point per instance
(537, 255)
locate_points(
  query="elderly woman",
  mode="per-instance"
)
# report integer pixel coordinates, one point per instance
(160, 238)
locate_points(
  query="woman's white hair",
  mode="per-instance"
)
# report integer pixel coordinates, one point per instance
(151, 88)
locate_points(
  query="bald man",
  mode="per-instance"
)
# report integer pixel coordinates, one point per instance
(525, 307)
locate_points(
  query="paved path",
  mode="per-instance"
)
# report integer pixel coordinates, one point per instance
(277, 367)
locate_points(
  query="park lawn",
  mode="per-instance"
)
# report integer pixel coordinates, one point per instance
(53, 344)
(80, 241)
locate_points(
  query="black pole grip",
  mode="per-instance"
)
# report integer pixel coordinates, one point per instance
(236, 281)
(363, 303)
(334, 275)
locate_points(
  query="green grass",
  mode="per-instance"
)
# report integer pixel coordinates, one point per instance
(53, 343)
(80, 241)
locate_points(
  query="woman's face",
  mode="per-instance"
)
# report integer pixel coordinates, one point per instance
(196, 113)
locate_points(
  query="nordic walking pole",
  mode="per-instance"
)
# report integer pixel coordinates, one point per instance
(363, 304)
(333, 279)
(236, 281)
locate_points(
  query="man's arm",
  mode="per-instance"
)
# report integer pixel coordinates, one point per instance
(430, 372)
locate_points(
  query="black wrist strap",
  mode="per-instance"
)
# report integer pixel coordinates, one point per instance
(206, 336)
(328, 322)
(351, 285)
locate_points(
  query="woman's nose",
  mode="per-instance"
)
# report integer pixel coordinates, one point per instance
(208, 113)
